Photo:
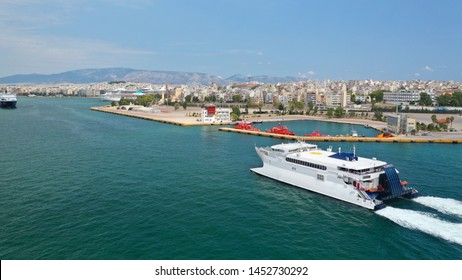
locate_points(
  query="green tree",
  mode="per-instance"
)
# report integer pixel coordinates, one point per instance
(176, 106)
(237, 98)
(124, 101)
(377, 96)
(339, 112)
(378, 115)
(425, 99)
(236, 110)
(315, 110)
(188, 98)
(330, 112)
(235, 113)
(451, 120)
(185, 105)
(434, 119)
(145, 100)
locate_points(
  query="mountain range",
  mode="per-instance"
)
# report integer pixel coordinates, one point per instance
(85, 76)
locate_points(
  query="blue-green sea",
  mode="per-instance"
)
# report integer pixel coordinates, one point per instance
(81, 184)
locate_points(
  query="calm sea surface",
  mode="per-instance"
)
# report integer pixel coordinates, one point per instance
(79, 184)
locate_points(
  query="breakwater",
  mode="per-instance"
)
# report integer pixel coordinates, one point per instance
(344, 138)
(165, 118)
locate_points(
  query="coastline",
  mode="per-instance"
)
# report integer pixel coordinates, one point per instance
(184, 117)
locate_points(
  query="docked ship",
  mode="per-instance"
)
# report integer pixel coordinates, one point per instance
(8, 100)
(243, 125)
(345, 176)
(280, 129)
(119, 93)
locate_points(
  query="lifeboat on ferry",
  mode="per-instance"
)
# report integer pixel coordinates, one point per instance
(243, 125)
(280, 129)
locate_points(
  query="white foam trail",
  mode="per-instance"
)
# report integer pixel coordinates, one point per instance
(424, 222)
(443, 205)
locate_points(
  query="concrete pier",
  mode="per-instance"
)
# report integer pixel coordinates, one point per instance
(344, 139)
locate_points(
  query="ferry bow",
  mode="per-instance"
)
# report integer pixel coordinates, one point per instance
(344, 176)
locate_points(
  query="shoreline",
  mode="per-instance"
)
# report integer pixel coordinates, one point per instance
(183, 117)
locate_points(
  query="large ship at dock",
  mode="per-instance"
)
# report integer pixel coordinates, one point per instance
(344, 176)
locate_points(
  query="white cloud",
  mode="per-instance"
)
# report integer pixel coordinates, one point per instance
(26, 53)
(428, 68)
(417, 74)
(307, 74)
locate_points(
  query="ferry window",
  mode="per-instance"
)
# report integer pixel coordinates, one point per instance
(320, 177)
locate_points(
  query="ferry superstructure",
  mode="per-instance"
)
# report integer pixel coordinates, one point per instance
(344, 176)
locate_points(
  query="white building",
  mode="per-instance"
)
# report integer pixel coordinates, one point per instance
(212, 114)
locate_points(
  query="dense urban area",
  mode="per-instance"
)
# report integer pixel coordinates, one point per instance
(297, 96)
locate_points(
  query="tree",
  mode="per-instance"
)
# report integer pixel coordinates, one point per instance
(124, 101)
(434, 119)
(235, 113)
(281, 107)
(237, 98)
(378, 115)
(450, 120)
(425, 99)
(185, 105)
(260, 105)
(145, 100)
(176, 106)
(377, 96)
(339, 112)
(330, 112)
(188, 98)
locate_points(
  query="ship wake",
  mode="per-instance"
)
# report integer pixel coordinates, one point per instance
(425, 222)
(444, 205)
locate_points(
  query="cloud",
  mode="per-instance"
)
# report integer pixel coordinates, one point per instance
(242, 52)
(24, 52)
(428, 68)
(417, 74)
(307, 74)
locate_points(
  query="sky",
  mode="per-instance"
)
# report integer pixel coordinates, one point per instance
(312, 39)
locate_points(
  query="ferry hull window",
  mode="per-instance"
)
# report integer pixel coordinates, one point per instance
(305, 163)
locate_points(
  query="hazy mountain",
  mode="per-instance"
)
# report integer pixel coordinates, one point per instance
(263, 79)
(85, 76)
(114, 74)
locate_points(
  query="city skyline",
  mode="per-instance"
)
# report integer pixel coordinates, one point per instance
(338, 40)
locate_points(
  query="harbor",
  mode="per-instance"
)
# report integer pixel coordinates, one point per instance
(127, 187)
(190, 117)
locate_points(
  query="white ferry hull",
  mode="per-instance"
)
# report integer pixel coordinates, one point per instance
(344, 176)
(338, 191)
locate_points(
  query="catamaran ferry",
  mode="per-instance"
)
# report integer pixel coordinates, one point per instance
(344, 176)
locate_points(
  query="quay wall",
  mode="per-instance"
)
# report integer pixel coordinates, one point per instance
(343, 139)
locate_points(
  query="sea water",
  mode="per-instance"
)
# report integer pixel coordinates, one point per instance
(81, 184)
